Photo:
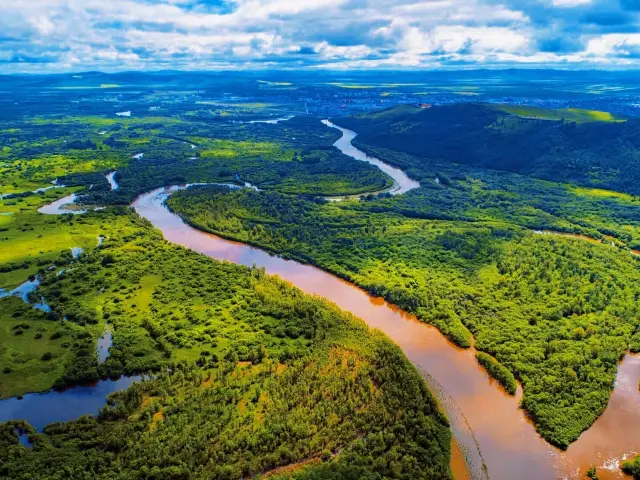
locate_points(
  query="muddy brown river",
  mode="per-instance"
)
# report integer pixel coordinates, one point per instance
(492, 432)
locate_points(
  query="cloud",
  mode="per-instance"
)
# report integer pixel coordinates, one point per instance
(200, 34)
(570, 3)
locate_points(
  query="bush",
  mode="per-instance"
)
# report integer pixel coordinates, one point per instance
(498, 371)
(632, 467)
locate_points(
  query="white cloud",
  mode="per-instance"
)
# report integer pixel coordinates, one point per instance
(618, 44)
(349, 33)
(570, 3)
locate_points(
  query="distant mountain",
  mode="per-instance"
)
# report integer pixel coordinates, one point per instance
(582, 146)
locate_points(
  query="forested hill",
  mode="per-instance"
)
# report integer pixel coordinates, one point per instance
(586, 147)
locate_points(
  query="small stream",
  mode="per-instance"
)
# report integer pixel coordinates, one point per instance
(61, 206)
(111, 178)
(104, 344)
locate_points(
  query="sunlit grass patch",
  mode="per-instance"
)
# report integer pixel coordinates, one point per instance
(25, 336)
(236, 105)
(352, 85)
(576, 115)
(599, 192)
(216, 148)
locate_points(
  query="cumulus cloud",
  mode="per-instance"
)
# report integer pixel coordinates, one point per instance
(201, 34)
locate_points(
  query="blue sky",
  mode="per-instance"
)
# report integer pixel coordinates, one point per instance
(75, 35)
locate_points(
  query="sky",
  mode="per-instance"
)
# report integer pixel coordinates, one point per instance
(39, 36)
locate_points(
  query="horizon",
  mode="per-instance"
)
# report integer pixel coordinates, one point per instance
(310, 71)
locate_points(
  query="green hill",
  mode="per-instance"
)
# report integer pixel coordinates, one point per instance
(586, 147)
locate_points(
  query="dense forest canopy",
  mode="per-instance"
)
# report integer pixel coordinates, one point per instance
(558, 313)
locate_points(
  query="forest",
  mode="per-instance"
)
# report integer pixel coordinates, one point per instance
(602, 152)
(245, 375)
(151, 152)
(557, 312)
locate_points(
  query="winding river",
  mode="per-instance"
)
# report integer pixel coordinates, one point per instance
(488, 424)
(402, 183)
(493, 434)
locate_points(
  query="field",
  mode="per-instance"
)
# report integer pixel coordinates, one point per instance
(575, 115)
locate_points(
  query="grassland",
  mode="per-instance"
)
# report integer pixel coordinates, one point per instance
(575, 115)
(30, 240)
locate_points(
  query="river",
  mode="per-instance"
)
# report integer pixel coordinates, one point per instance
(111, 178)
(402, 183)
(492, 432)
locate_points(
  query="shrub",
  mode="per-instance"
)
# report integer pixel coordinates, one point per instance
(498, 371)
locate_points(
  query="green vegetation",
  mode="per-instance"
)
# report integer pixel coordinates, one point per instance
(26, 336)
(557, 312)
(632, 467)
(575, 115)
(598, 153)
(30, 241)
(498, 371)
(295, 157)
(249, 377)
(470, 193)
(593, 474)
(263, 376)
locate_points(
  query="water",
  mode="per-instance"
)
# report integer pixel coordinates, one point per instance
(37, 190)
(491, 431)
(104, 344)
(272, 121)
(60, 206)
(111, 178)
(22, 290)
(42, 305)
(401, 181)
(40, 409)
